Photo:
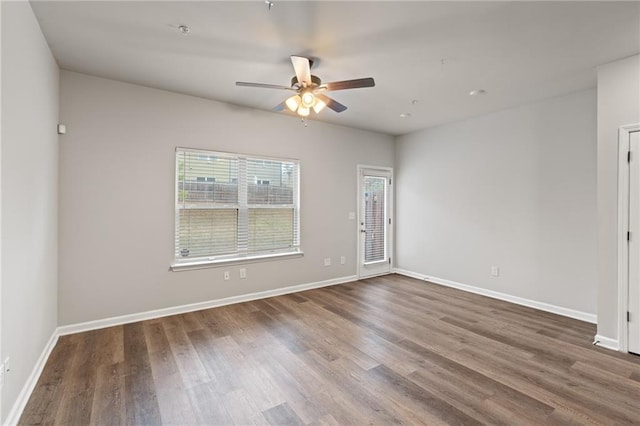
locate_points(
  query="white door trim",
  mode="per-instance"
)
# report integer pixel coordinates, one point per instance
(623, 227)
(389, 170)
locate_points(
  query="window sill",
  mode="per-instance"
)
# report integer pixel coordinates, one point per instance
(202, 264)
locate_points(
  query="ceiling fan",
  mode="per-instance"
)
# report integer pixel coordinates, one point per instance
(309, 89)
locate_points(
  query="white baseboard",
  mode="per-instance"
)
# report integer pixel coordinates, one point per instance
(164, 312)
(409, 274)
(606, 342)
(30, 384)
(583, 316)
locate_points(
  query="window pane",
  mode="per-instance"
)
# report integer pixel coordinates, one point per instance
(270, 229)
(374, 218)
(231, 205)
(270, 182)
(206, 232)
(205, 179)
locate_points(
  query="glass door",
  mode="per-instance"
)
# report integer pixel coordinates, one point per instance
(374, 195)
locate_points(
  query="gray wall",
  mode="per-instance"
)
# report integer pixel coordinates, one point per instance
(29, 195)
(618, 105)
(117, 195)
(515, 189)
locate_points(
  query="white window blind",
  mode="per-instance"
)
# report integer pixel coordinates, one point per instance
(231, 206)
(375, 192)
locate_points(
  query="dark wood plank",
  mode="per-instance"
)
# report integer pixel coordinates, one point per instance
(47, 395)
(140, 395)
(190, 367)
(415, 397)
(350, 393)
(174, 404)
(218, 372)
(475, 379)
(108, 400)
(77, 402)
(282, 415)
(242, 410)
(208, 405)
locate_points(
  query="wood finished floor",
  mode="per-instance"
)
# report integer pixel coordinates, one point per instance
(379, 351)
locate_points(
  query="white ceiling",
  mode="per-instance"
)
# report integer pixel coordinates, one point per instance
(434, 52)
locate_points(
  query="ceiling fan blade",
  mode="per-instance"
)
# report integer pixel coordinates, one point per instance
(280, 107)
(333, 104)
(303, 68)
(264, 86)
(349, 84)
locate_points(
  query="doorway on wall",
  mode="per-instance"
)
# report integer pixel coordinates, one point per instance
(629, 239)
(374, 221)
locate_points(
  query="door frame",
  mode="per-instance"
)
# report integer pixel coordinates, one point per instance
(390, 198)
(624, 135)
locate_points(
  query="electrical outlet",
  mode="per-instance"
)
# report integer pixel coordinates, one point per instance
(327, 261)
(495, 271)
(343, 260)
(227, 276)
(352, 215)
(243, 272)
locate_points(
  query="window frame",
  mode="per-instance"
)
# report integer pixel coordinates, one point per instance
(241, 255)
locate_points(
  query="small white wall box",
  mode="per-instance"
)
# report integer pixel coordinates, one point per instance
(62, 129)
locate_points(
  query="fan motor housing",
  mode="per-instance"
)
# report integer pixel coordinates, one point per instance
(315, 80)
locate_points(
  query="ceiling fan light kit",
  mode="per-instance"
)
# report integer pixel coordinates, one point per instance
(309, 89)
(319, 105)
(293, 103)
(302, 104)
(303, 111)
(308, 99)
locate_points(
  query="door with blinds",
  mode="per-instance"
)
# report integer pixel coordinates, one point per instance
(374, 220)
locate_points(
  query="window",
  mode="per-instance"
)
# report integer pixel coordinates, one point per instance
(232, 207)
